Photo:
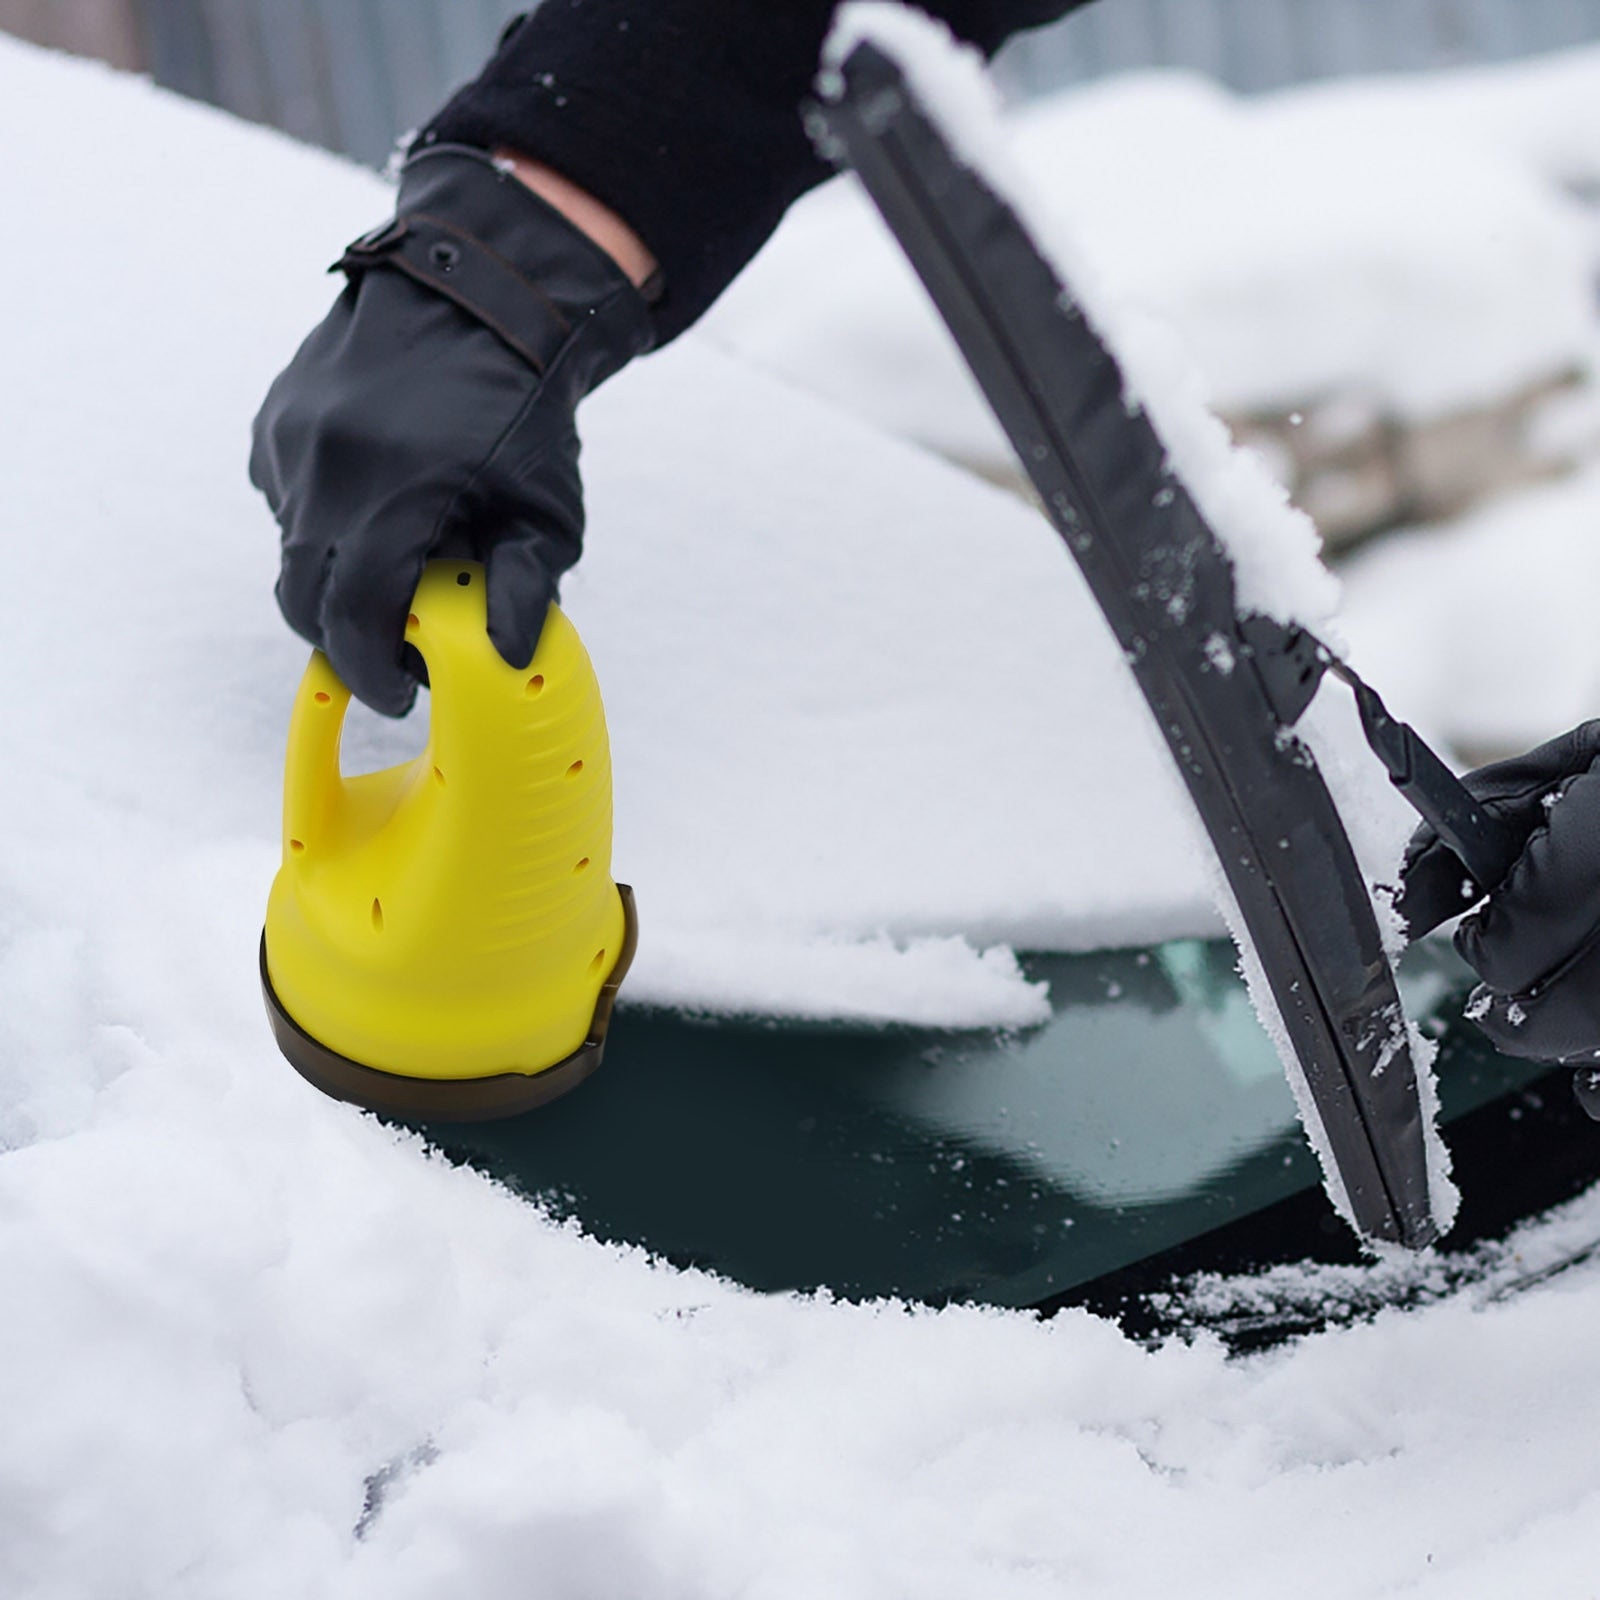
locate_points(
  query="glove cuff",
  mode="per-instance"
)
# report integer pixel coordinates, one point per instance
(478, 236)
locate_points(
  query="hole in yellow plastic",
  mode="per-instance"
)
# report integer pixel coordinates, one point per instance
(463, 578)
(412, 620)
(297, 845)
(574, 769)
(535, 685)
(598, 962)
(322, 697)
(582, 866)
(377, 916)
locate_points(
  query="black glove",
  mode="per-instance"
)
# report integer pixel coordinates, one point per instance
(1535, 941)
(431, 413)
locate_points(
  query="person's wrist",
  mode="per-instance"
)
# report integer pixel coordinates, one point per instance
(590, 216)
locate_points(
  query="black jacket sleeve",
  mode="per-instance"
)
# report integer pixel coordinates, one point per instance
(682, 116)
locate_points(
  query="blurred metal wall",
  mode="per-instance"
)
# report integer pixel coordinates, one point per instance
(354, 74)
(1253, 45)
(105, 28)
(349, 74)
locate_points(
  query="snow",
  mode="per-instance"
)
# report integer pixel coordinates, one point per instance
(1275, 551)
(1413, 245)
(948, 77)
(1482, 631)
(243, 1322)
(849, 741)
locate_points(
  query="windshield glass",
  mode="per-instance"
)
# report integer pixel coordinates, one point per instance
(1150, 1109)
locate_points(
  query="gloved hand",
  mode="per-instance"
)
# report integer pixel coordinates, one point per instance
(1535, 941)
(431, 413)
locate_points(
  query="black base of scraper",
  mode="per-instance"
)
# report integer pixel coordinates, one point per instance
(505, 1094)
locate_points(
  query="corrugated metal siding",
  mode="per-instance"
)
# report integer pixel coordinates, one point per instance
(354, 74)
(1254, 45)
(349, 74)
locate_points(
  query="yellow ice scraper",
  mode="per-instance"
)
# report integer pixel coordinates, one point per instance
(444, 938)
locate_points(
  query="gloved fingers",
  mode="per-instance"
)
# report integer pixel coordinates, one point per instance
(301, 578)
(521, 588)
(1434, 886)
(1586, 1090)
(365, 600)
(1514, 787)
(1546, 914)
(538, 523)
(1555, 1024)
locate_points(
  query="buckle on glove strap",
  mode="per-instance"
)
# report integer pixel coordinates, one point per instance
(442, 257)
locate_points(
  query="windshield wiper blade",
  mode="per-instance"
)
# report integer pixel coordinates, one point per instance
(1166, 587)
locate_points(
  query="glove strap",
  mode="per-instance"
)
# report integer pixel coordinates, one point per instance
(449, 261)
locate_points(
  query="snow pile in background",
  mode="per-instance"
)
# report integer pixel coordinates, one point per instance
(1275, 550)
(1482, 631)
(1543, 112)
(1411, 242)
(255, 1345)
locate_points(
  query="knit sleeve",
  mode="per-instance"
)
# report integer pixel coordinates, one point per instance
(682, 116)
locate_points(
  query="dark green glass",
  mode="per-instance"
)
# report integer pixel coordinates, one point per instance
(1006, 1168)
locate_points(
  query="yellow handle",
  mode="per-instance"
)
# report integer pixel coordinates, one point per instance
(426, 914)
(312, 786)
